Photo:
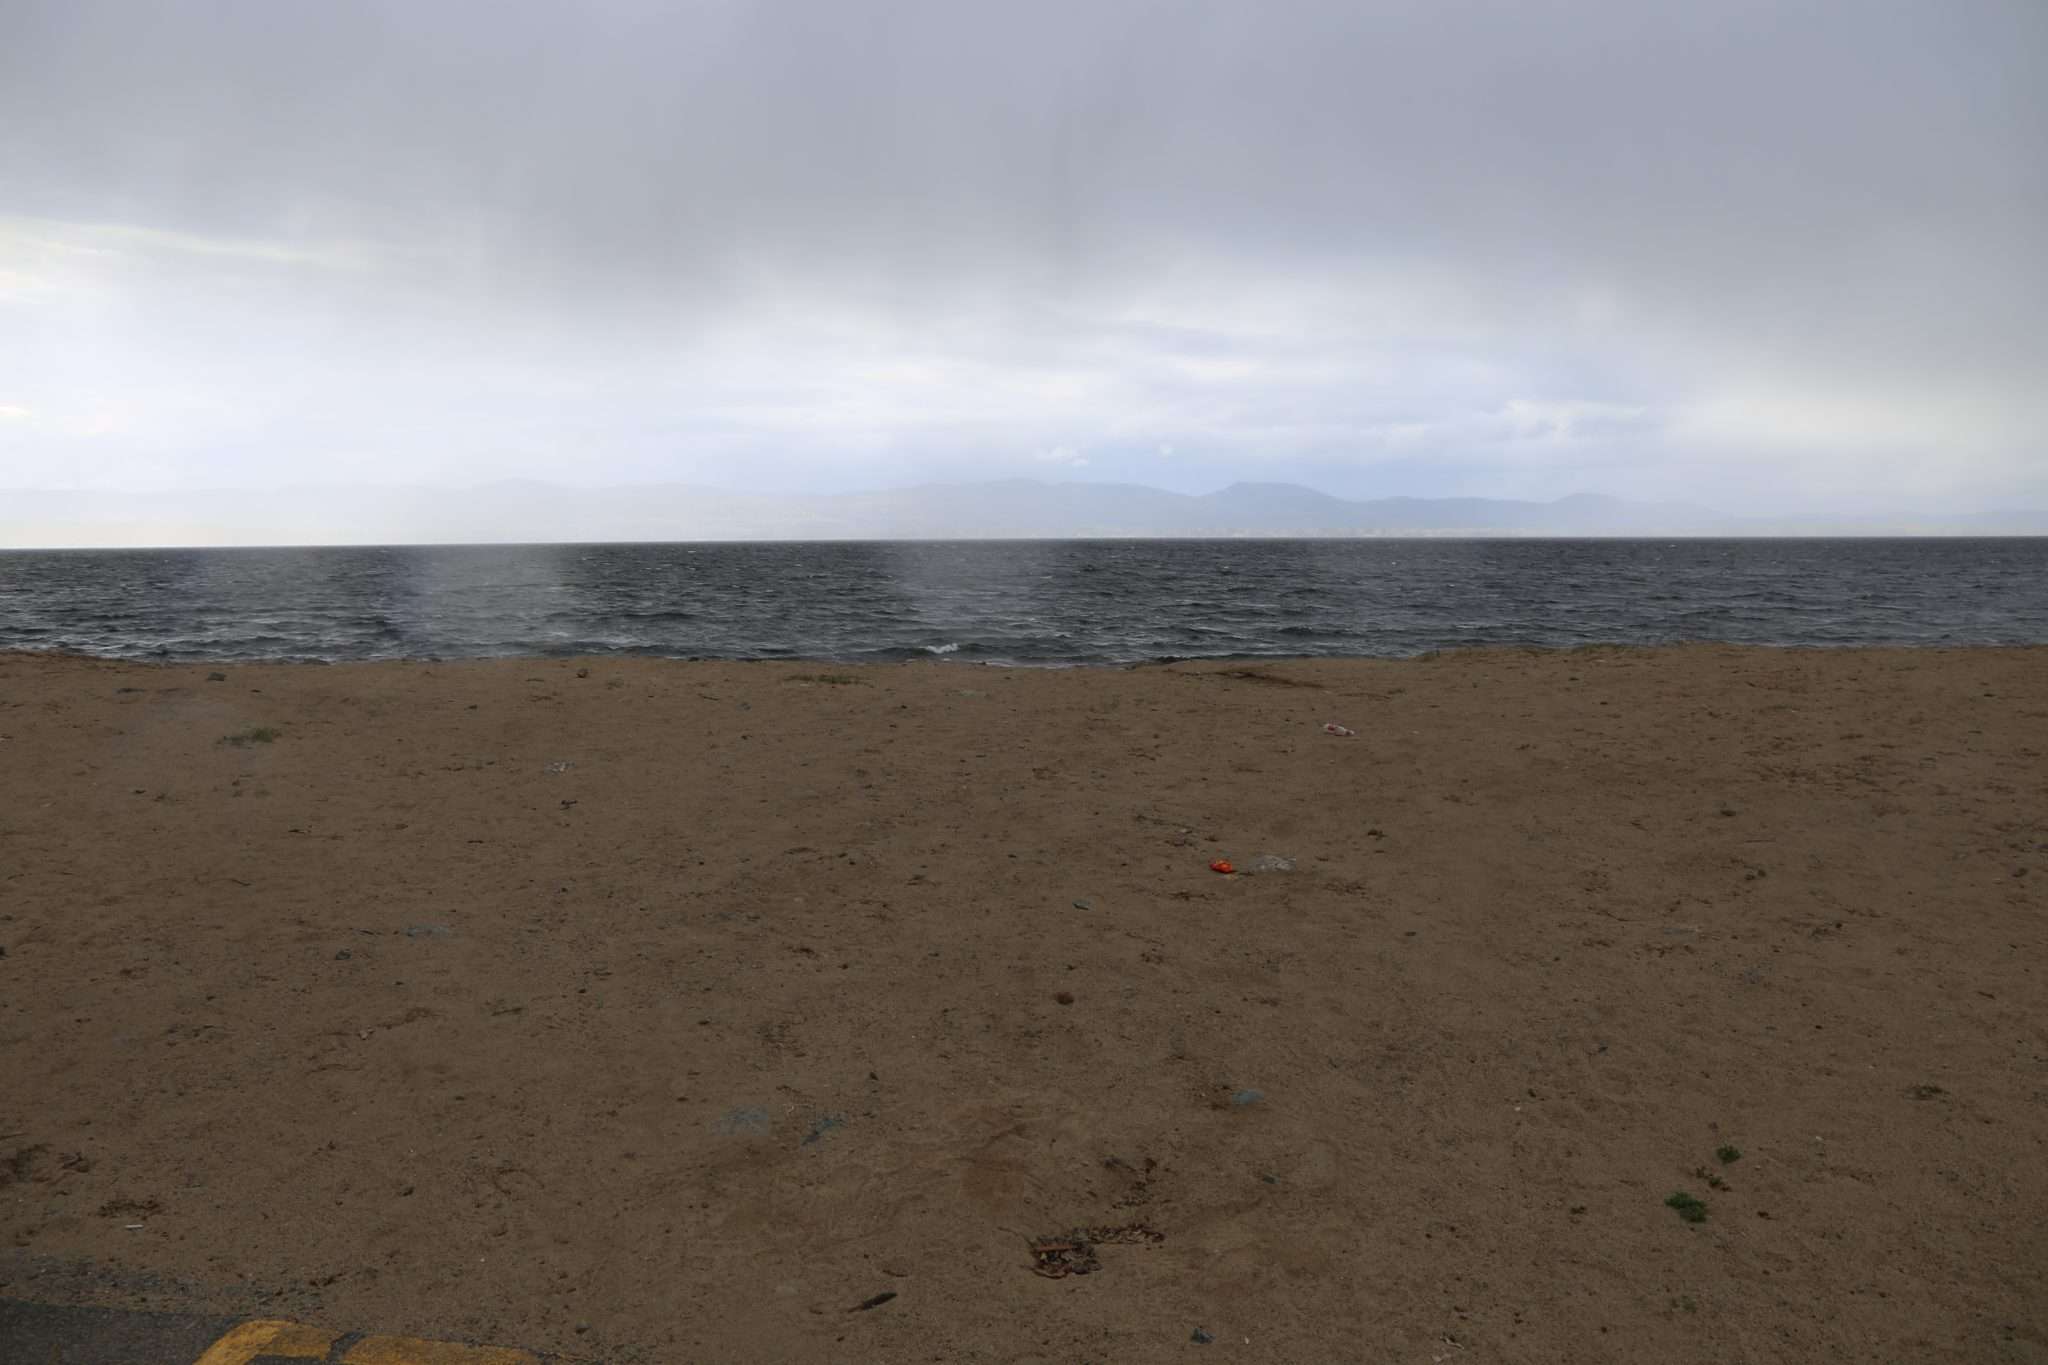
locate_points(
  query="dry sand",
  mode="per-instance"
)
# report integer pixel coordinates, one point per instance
(698, 1003)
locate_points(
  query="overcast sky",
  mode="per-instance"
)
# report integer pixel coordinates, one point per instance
(1745, 253)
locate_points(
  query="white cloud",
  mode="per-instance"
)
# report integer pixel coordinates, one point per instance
(243, 252)
(1558, 422)
(1819, 420)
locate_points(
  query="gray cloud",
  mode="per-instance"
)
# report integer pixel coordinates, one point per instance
(1782, 251)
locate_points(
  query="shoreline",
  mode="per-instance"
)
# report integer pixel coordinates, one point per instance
(949, 657)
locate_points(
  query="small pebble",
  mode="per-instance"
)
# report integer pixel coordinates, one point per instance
(1065, 997)
(343, 956)
(581, 1328)
(1201, 1337)
(1084, 904)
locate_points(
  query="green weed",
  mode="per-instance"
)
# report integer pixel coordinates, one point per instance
(261, 734)
(1692, 1210)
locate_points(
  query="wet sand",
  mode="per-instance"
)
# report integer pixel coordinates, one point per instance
(673, 1011)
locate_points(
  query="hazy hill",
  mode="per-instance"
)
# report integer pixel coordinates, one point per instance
(519, 511)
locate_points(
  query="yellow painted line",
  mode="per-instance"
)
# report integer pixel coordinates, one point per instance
(267, 1337)
(414, 1351)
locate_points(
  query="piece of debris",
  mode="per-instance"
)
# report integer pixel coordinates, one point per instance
(1223, 866)
(1073, 1252)
(823, 1126)
(876, 1302)
(1246, 1098)
(1065, 997)
(1084, 903)
(1341, 731)
(428, 931)
(1270, 862)
(216, 677)
(744, 1119)
(1201, 1336)
(560, 767)
(1057, 1257)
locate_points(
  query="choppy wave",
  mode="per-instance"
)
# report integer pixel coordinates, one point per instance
(1033, 604)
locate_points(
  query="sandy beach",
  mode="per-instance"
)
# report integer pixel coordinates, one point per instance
(663, 1011)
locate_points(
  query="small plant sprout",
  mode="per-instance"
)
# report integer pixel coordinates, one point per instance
(261, 734)
(1691, 1209)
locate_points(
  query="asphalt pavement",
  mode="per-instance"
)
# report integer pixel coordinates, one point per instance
(54, 1334)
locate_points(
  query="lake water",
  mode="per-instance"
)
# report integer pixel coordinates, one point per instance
(1020, 602)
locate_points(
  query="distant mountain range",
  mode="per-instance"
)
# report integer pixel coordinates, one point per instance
(519, 511)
